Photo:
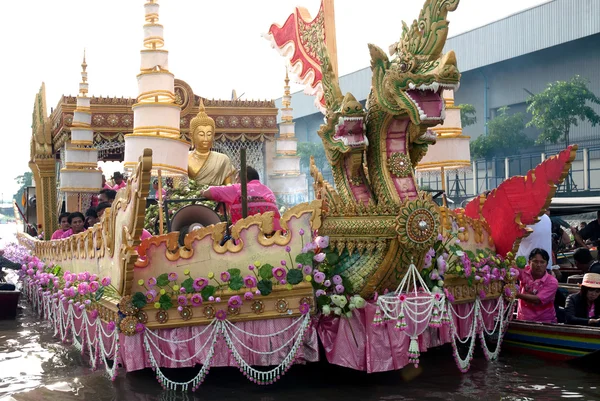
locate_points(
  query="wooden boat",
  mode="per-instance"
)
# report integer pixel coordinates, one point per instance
(9, 301)
(553, 341)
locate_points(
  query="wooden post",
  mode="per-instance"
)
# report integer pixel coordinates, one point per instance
(330, 38)
(161, 217)
(244, 182)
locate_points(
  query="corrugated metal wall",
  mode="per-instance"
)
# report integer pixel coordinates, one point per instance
(537, 28)
(509, 81)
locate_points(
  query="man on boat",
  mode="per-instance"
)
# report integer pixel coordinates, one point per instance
(118, 180)
(76, 221)
(585, 262)
(537, 290)
(106, 195)
(63, 222)
(590, 232)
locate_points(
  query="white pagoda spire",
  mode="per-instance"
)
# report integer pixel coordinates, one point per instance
(81, 176)
(286, 180)
(156, 115)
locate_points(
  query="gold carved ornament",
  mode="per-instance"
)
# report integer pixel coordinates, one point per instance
(418, 224)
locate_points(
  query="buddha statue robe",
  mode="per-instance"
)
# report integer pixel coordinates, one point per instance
(216, 170)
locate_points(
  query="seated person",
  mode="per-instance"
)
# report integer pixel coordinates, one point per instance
(119, 181)
(63, 222)
(105, 205)
(106, 195)
(260, 198)
(76, 221)
(583, 308)
(537, 290)
(91, 217)
(155, 186)
(590, 232)
(585, 262)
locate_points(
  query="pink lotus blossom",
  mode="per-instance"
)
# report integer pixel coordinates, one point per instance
(151, 281)
(94, 286)
(257, 292)
(327, 283)
(250, 267)
(221, 314)
(279, 273)
(173, 276)
(211, 298)
(83, 288)
(427, 261)
(282, 282)
(307, 270)
(87, 301)
(319, 257)
(200, 283)
(301, 232)
(248, 296)
(81, 307)
(182, 300)
(235, 301)
(182, 290)
(81, 277)
(288, 249)
(440, 237)
(308, 247)
(337, 279)
(441, 265)
(250, 281)
(322, 241)
(339, 289)
(180, 308)
(30, 272)
(150, 296)
(196, 299)
(225, 276)
(434, 275)
(319, 277)
(304, 308)
(283, 263)
(218, 299)
(93, 277)
(106, 281)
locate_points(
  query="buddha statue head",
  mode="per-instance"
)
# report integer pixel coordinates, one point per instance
(202, 130)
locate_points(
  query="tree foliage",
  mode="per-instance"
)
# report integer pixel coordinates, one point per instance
(468, 115)
(561, 105)
(24, 180)
(505, 134)
(308, 149)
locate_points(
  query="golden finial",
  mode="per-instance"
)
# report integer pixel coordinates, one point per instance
(201, 119)
(287, 79)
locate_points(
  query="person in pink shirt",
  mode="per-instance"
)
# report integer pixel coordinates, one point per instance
(155, 186)
(63, 222)
(76, 221)
(119, 181)
(260, 198)
(537, 290)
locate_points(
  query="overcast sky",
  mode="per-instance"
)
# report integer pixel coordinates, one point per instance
(215, 46)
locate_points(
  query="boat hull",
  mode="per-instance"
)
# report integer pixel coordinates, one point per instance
(552, 341)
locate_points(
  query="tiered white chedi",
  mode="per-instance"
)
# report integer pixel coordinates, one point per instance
(451, 153)
(80, 175)
(286, 180)
(156, 116)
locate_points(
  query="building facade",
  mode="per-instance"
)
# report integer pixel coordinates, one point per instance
(502, 64)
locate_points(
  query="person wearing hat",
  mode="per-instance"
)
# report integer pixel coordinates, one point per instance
(118, 180)
(583, 308)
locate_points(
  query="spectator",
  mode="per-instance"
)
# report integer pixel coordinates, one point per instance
(155, 186)
(590, 232)
(107, 195)
(100, 209)
(63, 222)
(583, 308)
(585, 262)
(76, 221)
(91, 217)
(537, 290)
(119, 181)
(582, 225)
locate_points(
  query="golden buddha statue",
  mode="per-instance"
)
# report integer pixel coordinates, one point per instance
(205, 166)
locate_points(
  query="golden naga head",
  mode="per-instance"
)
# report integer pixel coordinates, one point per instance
(202, 130)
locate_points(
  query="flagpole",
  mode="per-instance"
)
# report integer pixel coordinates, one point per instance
(330, 37)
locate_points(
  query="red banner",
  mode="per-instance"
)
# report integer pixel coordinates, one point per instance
(300, 41)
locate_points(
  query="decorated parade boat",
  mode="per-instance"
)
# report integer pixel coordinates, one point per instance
(373, 270)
